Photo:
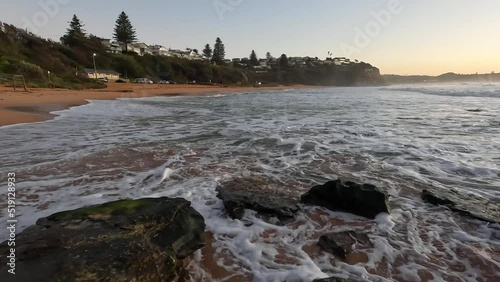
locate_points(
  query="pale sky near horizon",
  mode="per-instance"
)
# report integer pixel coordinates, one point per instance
(421, 36)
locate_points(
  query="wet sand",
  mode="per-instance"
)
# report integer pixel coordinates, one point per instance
(37, 104)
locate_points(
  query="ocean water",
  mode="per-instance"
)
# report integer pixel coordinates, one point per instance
(400, 138)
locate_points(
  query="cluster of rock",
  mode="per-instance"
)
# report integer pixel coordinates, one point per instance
(150, 239)
(338, 195)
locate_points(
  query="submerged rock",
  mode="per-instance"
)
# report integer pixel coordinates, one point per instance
(474, 110)
(341, 244)
(128, 240)
(332, 279)
(360, 199)
(468, 204)
(254, 194)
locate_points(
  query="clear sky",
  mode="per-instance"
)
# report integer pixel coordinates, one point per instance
(414, 37)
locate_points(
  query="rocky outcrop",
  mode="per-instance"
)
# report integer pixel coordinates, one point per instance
(341, 244)
(338, 195)
(469, 204)
(241, 194)
(128, 240)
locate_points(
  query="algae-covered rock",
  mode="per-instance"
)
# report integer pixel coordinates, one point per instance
(360, 199)
(128, 240)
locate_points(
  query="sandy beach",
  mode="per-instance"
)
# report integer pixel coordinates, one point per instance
(36, 104)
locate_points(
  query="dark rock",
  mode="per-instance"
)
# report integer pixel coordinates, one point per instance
(330, 245)
(360, 199)
(469, 204)
(332, 279)
(341, 244)
(336, 279)
(255, 194)
(128, 240)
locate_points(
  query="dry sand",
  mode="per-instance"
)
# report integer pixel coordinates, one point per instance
(36, 104)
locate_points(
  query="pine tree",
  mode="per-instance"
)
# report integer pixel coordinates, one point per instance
(284, 61)
(254, 61)
(124, 32)
(219, 52)
(74, 33)
(207, 52)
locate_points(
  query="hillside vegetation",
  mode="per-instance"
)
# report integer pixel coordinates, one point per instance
(27, 54)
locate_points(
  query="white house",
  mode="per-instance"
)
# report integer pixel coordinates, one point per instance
(139, 48)
(188, 54)
(341, 61)
(159, 50)
(176, 53)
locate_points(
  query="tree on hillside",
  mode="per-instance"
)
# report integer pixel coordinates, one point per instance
(207, 52)
(74, 33)
(124, 32)
(254, 61)
(219, 52)
(268, 56)
(284, 61)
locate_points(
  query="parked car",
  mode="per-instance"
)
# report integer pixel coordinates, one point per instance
(143, 81)
(172, 82)
(162, 82)
(192, 82)
(103, 79)
(121, 81)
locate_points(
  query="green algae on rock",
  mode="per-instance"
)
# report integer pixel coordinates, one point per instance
(127, 240)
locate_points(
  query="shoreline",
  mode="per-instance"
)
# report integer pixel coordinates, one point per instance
(36, 105)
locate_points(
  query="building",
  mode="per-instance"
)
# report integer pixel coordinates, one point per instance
(111, 47)
(188, 54)
(109, 74)
(139, 48)
(159, 50)
(339, 61)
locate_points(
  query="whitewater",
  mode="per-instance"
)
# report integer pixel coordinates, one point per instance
(402, 139)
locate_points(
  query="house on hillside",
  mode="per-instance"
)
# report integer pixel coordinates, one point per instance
(139, 48)
(263, 62)
(91, 73)
(159, 50)
(111, 47)
(188, 54)
(339, 61)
